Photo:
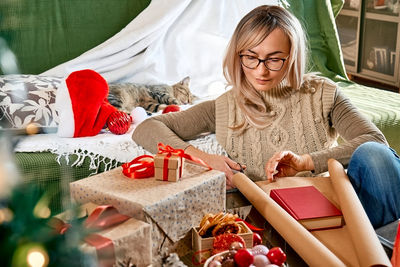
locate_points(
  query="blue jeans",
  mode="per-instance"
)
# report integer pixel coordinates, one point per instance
(374, 171)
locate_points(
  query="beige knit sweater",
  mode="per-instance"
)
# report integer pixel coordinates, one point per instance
(308, 120)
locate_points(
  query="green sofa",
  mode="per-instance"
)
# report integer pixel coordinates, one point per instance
(45, 33)
(42, 34)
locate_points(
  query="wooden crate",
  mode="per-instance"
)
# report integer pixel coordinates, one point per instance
(202, 247)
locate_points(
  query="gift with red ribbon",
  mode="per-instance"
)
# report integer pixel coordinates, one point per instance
(166, 165)
(111, 235)
(169, 163)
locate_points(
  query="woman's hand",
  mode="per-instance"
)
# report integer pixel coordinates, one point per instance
(287, 163)
(224, 164)
(217, 162)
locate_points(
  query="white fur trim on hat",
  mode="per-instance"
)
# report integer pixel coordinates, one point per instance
(66, 126)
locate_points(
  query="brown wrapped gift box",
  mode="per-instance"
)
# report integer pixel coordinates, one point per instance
(172, 209)
(131, 239)
(175, 167)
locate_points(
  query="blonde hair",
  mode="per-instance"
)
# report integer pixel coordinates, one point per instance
(250, 32)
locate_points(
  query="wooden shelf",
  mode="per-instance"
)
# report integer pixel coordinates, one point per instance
(370, 38)
(368, 82)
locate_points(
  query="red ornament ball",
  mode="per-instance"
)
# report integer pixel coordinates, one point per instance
(257, 240)
(244, 257)
(171, 108)
(119, 122)
(276, 256)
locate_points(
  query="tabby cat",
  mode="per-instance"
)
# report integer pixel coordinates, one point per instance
(127, 96)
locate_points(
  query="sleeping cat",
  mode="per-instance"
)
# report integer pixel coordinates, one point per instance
(127, 96)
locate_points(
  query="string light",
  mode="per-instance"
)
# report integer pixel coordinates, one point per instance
(37, 257)
(42, 212)
(42, 209)
(6, 215)
(32, 128)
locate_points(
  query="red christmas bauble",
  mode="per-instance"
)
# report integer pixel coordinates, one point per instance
(119, 122)
(171, 108)
(276, 256)
(257, 240)
(244, 257)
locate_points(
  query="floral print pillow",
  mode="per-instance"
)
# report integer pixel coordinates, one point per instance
(26, 99)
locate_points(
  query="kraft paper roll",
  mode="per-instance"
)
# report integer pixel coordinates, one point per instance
(313, 252)
(367, 246)
(355, 244)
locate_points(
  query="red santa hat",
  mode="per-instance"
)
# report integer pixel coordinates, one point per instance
(82, 104)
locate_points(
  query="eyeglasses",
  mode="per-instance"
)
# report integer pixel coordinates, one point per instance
(273, 63)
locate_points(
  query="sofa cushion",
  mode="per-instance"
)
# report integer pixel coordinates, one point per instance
(28, 99)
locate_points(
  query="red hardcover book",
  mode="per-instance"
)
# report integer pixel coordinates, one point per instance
(309, 207)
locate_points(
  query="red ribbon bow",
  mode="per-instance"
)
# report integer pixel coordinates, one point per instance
(139, 167)
(102, 217)
(143, 166)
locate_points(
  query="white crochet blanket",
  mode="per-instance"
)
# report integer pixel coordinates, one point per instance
(103, 149)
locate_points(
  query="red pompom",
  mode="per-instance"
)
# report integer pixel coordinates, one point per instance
(119, 122)
(171, 108)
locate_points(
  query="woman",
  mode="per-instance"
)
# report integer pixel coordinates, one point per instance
(276, 120)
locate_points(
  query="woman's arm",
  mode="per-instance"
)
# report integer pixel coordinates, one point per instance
(353, 128)
(351, 125)
(175, 127)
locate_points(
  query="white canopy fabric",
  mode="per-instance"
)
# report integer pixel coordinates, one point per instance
(169, 40)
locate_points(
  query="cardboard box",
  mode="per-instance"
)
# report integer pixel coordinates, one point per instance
(174, 165)
(200, 245)
(124, 236)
